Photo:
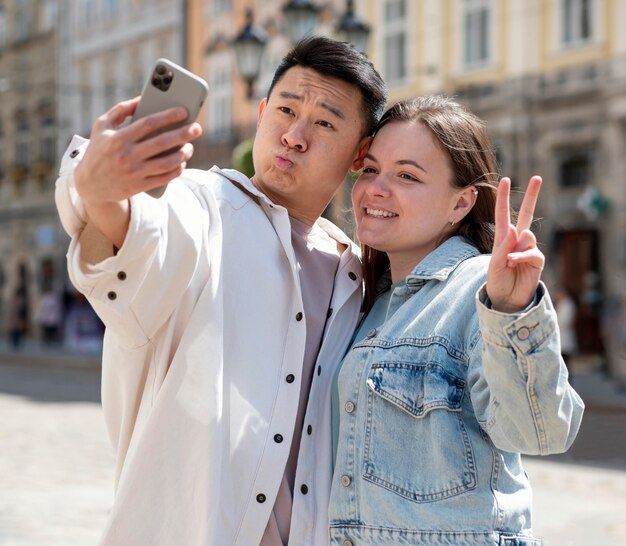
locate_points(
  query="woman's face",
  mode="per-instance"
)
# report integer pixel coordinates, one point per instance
(404, 200)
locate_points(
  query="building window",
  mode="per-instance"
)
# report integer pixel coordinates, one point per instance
(221, 6)
(3, 27)
(49, 15)
(110, 9)
(2, 165)
(577, 25)
(23, 20)
(22, 141)
(395, 34)
(86, 105)
(477, 21)
(574, 170)
(86, 14)
(47, 140)
(220, 98)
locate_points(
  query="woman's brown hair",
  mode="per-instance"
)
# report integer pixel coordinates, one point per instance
(472, 157)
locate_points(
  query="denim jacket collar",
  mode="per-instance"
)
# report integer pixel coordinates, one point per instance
(442, 261)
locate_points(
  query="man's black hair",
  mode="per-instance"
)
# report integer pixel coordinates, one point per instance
(342, 61)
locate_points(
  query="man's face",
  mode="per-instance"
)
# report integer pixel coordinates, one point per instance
(308, 137)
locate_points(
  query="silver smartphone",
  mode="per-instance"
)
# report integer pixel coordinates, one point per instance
(170, 85)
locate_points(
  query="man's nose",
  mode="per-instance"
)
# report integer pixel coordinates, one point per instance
(295, 137)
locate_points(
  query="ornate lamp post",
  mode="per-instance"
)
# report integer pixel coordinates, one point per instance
(249, 47)
(352, 29)
(300, 18)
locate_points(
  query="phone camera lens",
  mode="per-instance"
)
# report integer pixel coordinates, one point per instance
(160, 70)
(156, 82)
(167, 80)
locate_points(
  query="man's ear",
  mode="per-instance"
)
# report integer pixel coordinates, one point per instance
(262, 106)
(364, 146)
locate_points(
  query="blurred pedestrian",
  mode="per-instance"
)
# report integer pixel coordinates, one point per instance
(83, 329)
(18, 316)
(566, 309)
(49, 317)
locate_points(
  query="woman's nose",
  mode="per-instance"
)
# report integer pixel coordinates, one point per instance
(378, 186)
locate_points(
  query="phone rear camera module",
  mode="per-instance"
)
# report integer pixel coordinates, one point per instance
(162, 78)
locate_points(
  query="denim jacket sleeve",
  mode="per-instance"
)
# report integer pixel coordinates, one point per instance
(518, 380)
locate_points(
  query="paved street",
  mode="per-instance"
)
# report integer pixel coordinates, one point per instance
(55, 460)
(56, 467)
(580, 496)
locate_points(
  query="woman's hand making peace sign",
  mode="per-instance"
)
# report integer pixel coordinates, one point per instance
(516, 262)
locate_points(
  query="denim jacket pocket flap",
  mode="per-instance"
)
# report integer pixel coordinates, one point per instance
(416, 388)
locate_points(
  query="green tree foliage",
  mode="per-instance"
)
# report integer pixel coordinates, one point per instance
(242, 158)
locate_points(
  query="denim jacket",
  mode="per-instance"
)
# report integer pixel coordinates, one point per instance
(437, 405)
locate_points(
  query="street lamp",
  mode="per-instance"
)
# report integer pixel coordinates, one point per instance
(352, 29)
(249, 46)
(300, 17)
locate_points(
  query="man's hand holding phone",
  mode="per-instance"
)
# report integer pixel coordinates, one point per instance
(123, 160)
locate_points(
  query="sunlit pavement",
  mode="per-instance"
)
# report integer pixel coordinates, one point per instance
(56, 464)
(56, 477)
(578, 505)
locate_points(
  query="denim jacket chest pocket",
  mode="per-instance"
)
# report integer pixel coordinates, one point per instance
(415, 442)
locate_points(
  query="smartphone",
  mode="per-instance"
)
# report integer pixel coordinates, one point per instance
(170, 85)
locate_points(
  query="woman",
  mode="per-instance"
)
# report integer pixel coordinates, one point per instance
(456, 369)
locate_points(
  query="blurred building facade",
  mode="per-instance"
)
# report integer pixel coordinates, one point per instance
(29, 262)
(549, 76)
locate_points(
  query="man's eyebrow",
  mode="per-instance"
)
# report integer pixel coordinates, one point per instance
(326, 105)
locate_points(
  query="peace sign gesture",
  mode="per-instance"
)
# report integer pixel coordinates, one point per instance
(516, 262)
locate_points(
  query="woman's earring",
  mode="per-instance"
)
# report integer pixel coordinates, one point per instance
(452, 222)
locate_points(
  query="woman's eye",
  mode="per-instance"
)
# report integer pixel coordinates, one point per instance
(326, 124)
(369, 170)
(408, 177)
(285, 109)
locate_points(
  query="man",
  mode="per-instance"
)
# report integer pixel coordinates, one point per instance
(228, 305)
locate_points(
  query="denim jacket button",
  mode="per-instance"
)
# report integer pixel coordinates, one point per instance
(349, 407)
(523, 333)
(371, 332)
(346, 481)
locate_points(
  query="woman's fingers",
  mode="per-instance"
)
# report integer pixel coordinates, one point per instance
(526, 252)
(527, 209)
(502, 212)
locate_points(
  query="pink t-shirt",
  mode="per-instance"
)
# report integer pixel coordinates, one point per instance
(317, 258)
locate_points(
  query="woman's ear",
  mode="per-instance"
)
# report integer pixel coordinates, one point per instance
(363, 148)
(465, 202)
